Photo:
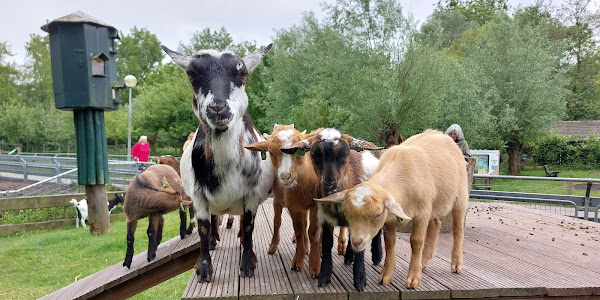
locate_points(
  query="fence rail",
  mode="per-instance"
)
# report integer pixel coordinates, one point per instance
(40, 202)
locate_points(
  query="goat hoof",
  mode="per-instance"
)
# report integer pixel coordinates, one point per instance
(127, 263)
(229, 223)
(376, 259)
(360, 281)
(272, 249)
(324, 279)
(151, 257)
(247, 270)
(204, 272)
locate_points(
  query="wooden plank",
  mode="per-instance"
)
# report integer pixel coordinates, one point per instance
(302, 284)
(522, 246)
(225, 260)
(465, 285)
(269, 280)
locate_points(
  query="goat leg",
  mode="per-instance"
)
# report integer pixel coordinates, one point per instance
(182, 223)
(153, 223)
(314, 258)
(342, 241)
(214, 232)
(389, 238)
(204, 268)
(278, 208)
(249, 260)
(376, 251)
(349, 255)
(358, 270)
(326, 263)
(159, 230)
(192, 213)
(131, 227)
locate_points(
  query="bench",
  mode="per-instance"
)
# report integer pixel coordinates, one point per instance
(549, 173)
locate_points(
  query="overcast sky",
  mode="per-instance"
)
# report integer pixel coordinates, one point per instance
(175, 21)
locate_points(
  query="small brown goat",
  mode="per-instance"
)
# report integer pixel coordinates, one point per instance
(422, 179)
(152, 193)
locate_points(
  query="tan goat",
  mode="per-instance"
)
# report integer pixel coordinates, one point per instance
(422, 179)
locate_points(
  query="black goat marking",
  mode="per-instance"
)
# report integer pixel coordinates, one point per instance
(212, 74)
(203, 163)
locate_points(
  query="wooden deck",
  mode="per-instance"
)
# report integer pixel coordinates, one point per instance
(510, 252)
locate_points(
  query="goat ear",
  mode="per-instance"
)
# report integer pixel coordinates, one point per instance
(259, 146)
(252, 60)
(333, 198)
(360, 145)
(181, 60)
(303, 132)
(266, 136)
(395, 208)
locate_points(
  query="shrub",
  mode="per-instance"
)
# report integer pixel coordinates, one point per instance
(575, 152)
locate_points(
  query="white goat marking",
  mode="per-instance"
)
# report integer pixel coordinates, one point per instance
(211, 52)
(286, 164)
(286, 137)
(330, 135)
(359, 195)
(369, 163)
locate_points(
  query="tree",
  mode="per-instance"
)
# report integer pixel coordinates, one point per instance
(378, 24)
(443, 27)
(36, 81)
(478, 11)
(517, 69)
(139, 53)
(207, 39)
(116, 125)
(8, 76)
(582, 23)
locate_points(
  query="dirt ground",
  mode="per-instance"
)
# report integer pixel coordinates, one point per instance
(38, 190)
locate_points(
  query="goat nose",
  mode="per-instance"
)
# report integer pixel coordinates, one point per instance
(216, 106)
(285, 176)
(357, 242)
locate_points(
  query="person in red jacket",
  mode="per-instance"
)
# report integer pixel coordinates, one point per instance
(141, 151)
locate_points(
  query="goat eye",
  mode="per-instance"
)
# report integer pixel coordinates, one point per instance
(378, 216)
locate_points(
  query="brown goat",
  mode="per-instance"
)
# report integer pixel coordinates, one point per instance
(299, 182)
(152, 193)
(339, 167)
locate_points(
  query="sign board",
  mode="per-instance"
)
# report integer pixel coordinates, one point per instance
(486, 161)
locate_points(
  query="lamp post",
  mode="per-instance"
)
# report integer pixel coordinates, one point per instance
(130, 82)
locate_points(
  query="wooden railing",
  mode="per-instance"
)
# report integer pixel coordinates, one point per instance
(41, 202)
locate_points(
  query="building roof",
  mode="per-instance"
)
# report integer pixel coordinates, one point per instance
(578, 128)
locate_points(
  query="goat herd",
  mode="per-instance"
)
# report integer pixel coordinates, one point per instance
(324, 179)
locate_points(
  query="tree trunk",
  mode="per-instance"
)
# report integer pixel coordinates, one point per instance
(514, 158)
(98, 218)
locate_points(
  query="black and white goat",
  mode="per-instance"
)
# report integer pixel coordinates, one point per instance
(112, 204)
(82, 211)
(218, 174)
(339, 167)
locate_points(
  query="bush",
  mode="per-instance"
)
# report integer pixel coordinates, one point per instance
(575, 152)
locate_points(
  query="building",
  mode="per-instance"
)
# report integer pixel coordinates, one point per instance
(578, 128)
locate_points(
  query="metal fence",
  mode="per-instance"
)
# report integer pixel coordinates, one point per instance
(60, 169)
(584, 207)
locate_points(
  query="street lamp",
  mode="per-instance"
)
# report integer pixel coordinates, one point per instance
(130, 81)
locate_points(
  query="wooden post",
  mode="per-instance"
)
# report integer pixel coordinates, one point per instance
(569, 187)
(98, 217)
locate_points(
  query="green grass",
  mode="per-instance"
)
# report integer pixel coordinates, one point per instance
(33, 264)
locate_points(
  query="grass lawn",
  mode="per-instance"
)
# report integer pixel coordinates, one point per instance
(33, 264)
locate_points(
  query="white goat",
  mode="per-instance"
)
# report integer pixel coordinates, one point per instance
(218, 174)
(422, 179)
(82, 211)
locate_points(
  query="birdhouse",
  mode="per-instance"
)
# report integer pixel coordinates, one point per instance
(84, 65)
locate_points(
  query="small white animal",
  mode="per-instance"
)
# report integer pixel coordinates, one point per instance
(82, 211)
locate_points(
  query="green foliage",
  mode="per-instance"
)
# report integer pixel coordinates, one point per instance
(442, 28)
(36, 84)
(8, 77)
(139, 54)
(116, 124)
(582, 153)
(478, 11)
(207, 39)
